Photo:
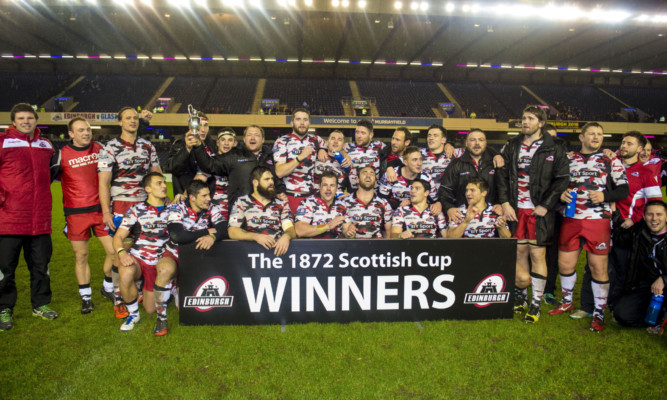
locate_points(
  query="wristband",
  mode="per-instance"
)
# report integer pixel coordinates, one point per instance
(322, 229)
(212, 235)
(120, 251)
(297, 159)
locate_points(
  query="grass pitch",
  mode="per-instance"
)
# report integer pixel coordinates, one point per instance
(87, 357)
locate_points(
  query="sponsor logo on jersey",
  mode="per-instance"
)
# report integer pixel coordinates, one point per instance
(488, 291)
(550, 158)
(212, 293)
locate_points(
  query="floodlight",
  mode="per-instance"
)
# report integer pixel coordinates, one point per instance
(424, 6)
(414, 5)
(335, 3)
(362, 4)
(449, 7)
(345, 3)
(398, 5)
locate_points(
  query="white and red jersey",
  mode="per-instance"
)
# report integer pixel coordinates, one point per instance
(421, 224)
(153, 234)
(654, 165)
(436, 164)
(181, 213)
(288, 148)
(594, 172)
(315, 211)
(78, 175)
(221, 194)
(644, 187)
(370, 218)
(330, 165)
(362, 157)
(523, 167)
(482, 226)
(252, 216)
(128, 164)
(400, 190)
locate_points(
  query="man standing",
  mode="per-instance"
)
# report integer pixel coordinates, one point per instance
(294, 156)
(318, 216)
(364, 152)
(25, 212)
(398, 193)
(436, 156)
(76, 168)
(415, 220)
(400, 140)
(480, 220)
(150, 219)
(476, 162)
(366, 215)
(598, 181)
(536, 171)
(123, 163)
(196, 219)
(335, 144)
(261, 216)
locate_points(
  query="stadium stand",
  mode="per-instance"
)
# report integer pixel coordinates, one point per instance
(403, 99)
(231, 96)
(189, 90)
(586, 102)
(321, 97)
(512, 97)
(650, 100)
(474, 97)
(108, 93)
(32, 88)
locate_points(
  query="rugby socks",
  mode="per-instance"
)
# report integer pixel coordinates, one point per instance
(538, 282)
(600, 293)
(107, 284)
(85, 292)
(140, 284)
(115, 278)
(520, 292)
(161, 298)
(132, 307)
(567, 283)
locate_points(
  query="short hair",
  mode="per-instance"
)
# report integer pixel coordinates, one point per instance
(425, 184)
(364, 167)
(336, 130)
(258, 172)
(536, 111)
(226, 130)
(406, 132)
(438, 127)
(481, 184)
(637, 135)
(146, 181)
(366, 124)
(296, 110)
(329, 174)
(476, 130)
(411, 149)
(122, 110)
(549, 127)
(22, 107)
(261, 130)
(196, 186)
(201, 114)
(655, 203)
(590, 125)
(73, 120)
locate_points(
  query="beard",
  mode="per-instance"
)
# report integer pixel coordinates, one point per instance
(266, 192)
(366, 186)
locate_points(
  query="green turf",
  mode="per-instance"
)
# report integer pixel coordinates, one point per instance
(87, 357)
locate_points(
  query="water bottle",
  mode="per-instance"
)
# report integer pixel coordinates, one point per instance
(117, 219)
(654, 309)
(571, 207)
(338, 156)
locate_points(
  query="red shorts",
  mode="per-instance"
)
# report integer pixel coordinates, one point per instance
(294, 201)
(595, 233)
(525, 232)
(121, 207)
(169, 254)
(78, 227)
(149, 273)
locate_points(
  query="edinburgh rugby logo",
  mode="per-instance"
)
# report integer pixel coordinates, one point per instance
(488, 291)
(210, 294)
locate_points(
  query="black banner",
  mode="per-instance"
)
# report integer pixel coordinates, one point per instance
(240, 283)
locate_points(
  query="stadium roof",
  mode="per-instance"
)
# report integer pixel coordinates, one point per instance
(437, 41)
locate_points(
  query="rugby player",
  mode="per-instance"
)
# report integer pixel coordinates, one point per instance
(294, 155)
(480, 220)
(536, 171)
(415, 220)
(225, 143)
(367, 216)
(335, 143)
(364, 152)
(598, 181)
(398, 193)
(76, 168)
(150, 219)
(318, 216)
(261, 216)
(123, 163)
(196, 220)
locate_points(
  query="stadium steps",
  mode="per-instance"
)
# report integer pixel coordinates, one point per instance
(437, 112)
(259, 94)
(499, 100)
(159, 92)
(347, 108)
(458, 111)
(615, 98)
(356, 94)
(539, 99)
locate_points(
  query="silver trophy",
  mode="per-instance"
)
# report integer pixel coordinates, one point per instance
(194, 122)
